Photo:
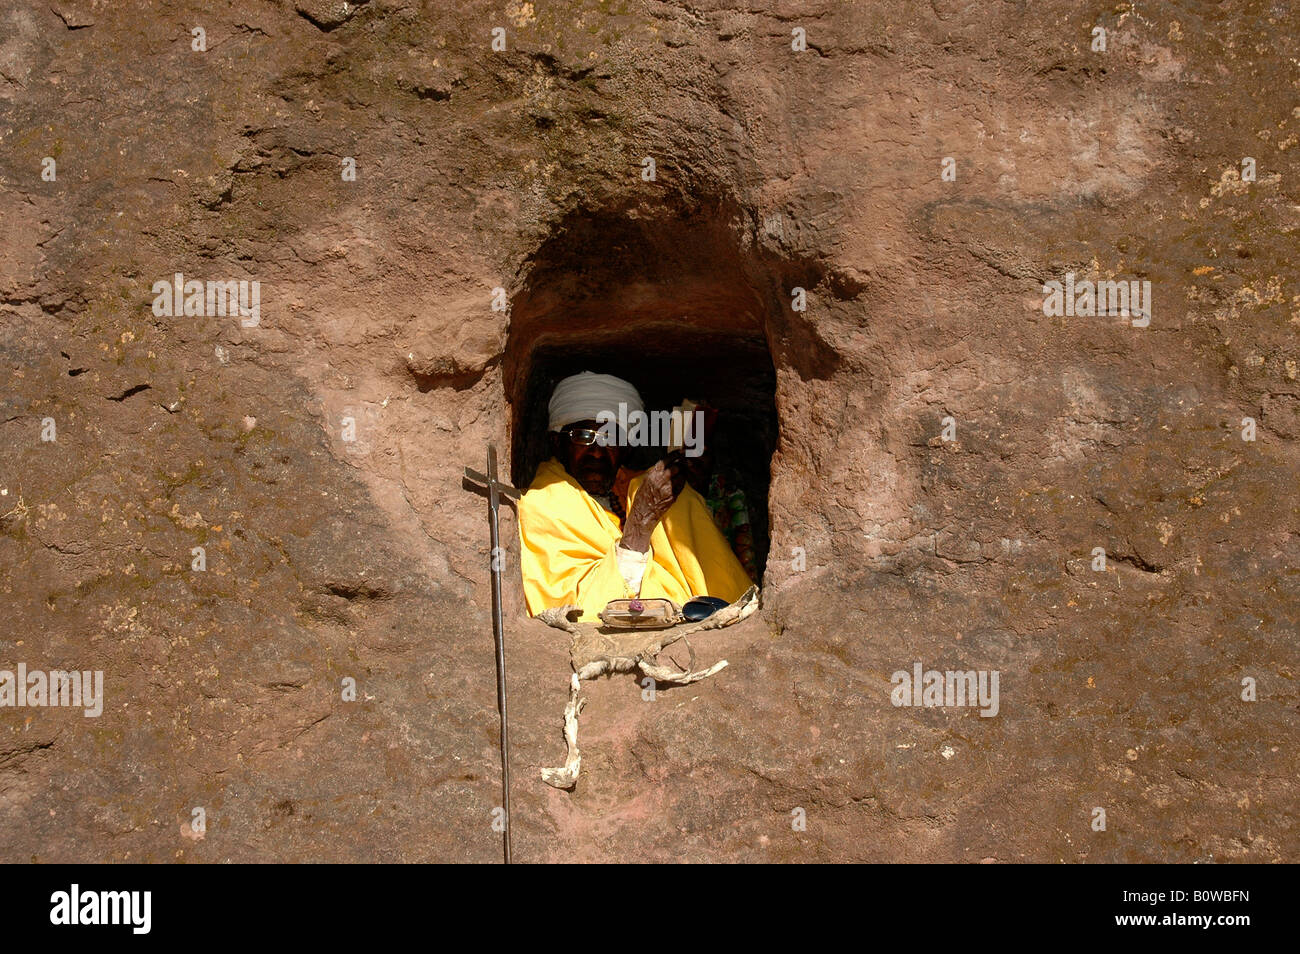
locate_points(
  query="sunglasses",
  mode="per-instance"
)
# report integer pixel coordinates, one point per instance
(586, 437)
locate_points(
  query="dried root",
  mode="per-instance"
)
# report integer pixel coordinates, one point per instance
(562, 617)
(567, 776)
(664, 674)
(595, 653)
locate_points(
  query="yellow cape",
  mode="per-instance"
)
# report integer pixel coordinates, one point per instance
(568, 543)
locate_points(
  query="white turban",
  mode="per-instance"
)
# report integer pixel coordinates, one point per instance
(582, 397)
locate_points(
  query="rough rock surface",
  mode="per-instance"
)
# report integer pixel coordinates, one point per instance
(479, 169)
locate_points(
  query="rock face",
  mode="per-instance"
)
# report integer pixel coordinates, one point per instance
(947, 458)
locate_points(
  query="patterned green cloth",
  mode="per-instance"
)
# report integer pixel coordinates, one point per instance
(730, 512)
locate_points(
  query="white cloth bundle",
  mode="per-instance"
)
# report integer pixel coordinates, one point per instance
(581, 397)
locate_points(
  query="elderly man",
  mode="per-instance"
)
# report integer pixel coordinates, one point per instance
(587, 541)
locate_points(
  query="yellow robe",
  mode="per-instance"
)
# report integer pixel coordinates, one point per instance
(568, 542)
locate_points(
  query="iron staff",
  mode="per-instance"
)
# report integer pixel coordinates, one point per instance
(495, 489)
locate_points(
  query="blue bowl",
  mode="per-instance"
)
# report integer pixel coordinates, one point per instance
(702, 607)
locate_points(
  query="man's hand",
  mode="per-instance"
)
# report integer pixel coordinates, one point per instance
(663, 482)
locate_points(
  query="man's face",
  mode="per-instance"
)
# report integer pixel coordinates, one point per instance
(592, 466)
